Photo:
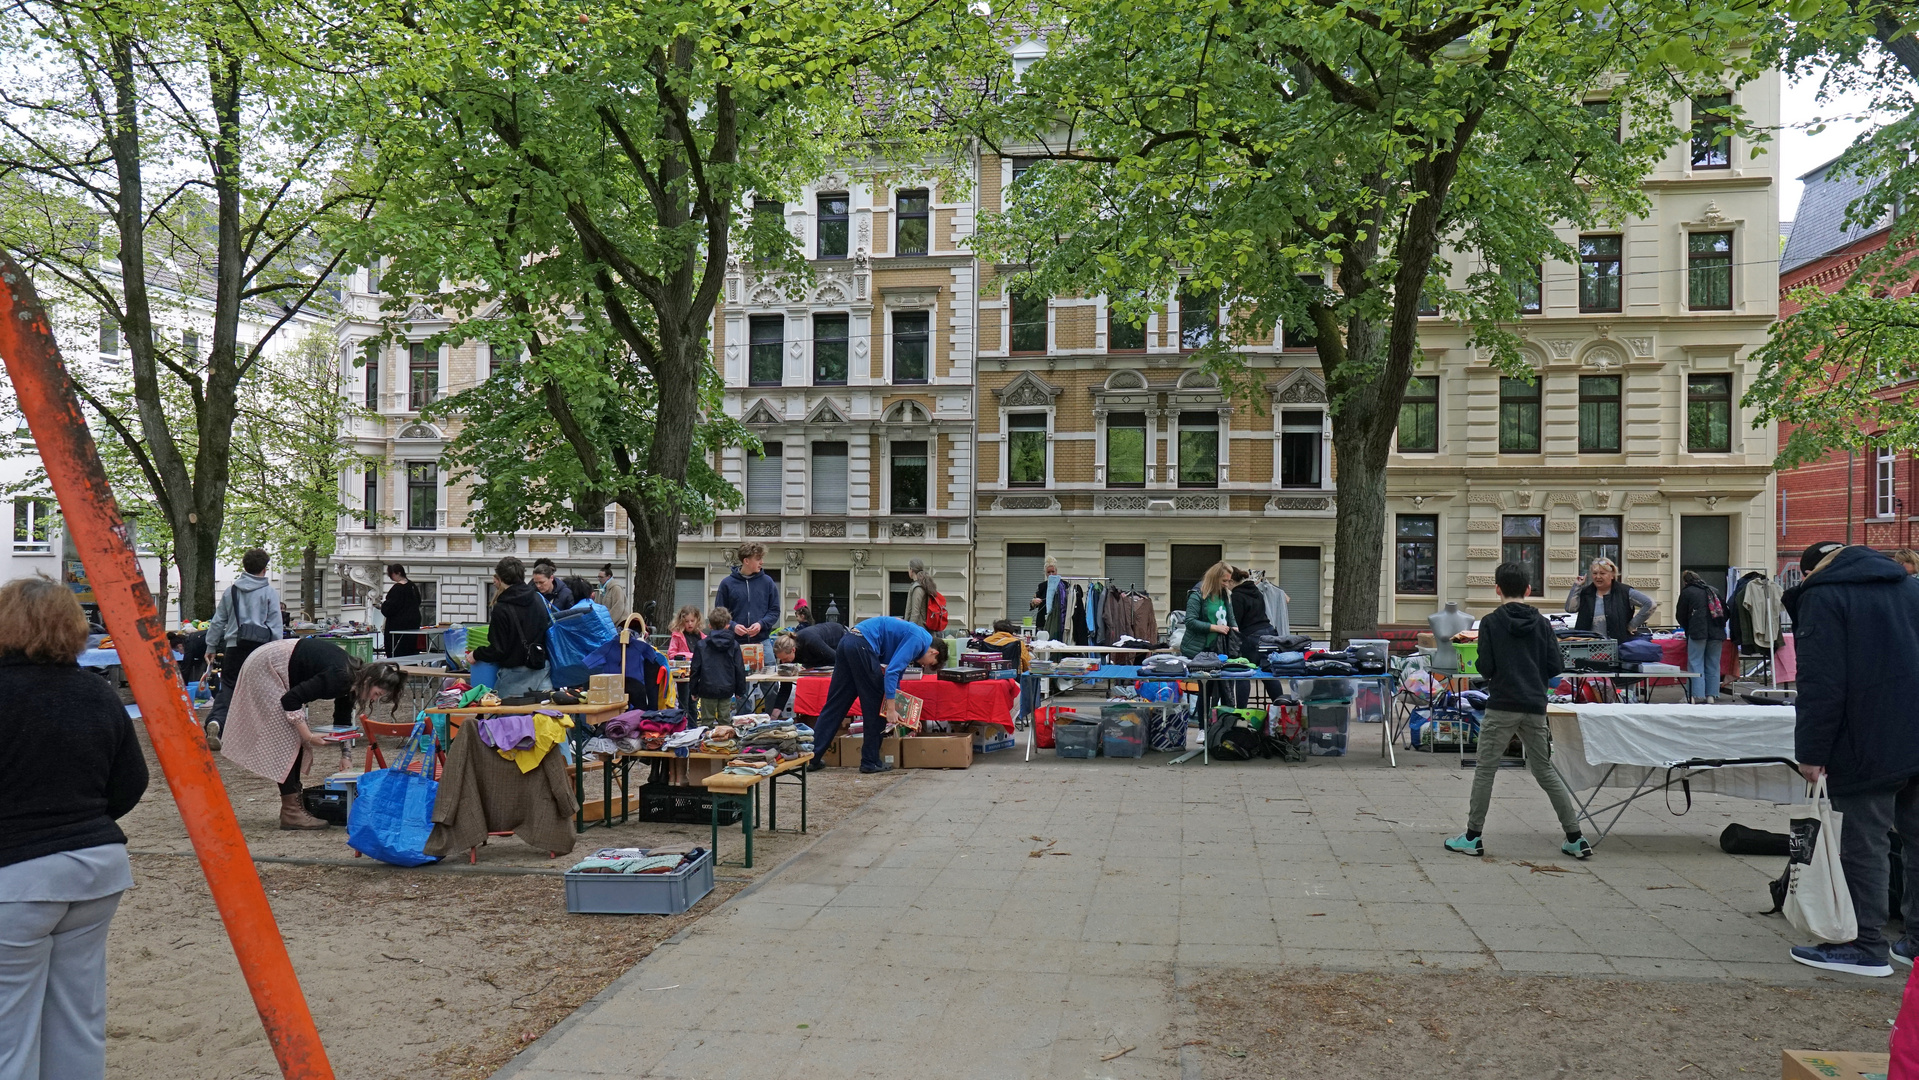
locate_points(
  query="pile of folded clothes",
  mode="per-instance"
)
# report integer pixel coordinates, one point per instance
(721, 739)
(742, 766)
(783, 737)
(660, 860)
(690, 739)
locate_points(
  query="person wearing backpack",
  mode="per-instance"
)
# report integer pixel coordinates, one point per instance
(247, 617)
(925, 606)
(516, 633)
(1703, 617)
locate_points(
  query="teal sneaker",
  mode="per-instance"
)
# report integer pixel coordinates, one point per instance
(1578, 849)
(1465, 845)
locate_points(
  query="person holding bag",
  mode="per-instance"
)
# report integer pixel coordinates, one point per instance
(1856, 624)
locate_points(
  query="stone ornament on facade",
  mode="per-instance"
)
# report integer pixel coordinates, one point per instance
(1646, 553)
(903, 529)
(1027, 390)
(1482, 553)
(692, 528)
(1123, 503)
(1026, 502)
(1559, 526)
(417, 432)
(1482, 498)
(911, 299)
(1644, 526)
(763, 412)
(1481, 525)
(762, 528)
(795, 558)
(1563, 553)
(418, 542)
(1286, 504)
(1604, 356)
(858, 555)
(1302, 387)
(826, 412)
(1640, 346)
(586, 545)
(826, 530)
(498, 545)
(1561, 348)
(1479, 579)
(1197, 502)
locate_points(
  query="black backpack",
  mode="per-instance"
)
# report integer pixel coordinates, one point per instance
(1239, 743)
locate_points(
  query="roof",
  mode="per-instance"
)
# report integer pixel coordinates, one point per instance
(1820, 227)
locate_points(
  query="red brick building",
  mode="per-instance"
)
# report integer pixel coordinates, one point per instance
(1867, 497)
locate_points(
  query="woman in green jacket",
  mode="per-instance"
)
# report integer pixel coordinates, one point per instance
(1209, 612)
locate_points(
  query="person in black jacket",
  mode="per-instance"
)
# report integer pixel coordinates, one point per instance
(72, 767)
(1855, 622)
(1518, 652)
(719, 671)
(809, 646)
(401, 609)
(516, 633)
(1249, 614)
(1705, 636)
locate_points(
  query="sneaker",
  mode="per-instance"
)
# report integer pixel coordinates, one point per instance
(1904, 950)
(815, 765)
(1465, 845)
(881, 767)
(1578, 849)
(1847, 957)
(213, 734)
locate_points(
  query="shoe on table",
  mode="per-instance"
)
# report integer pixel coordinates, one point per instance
(1847, 957)
(1904, 950)
(881, 767)
(1464, 845)
(1578, 849)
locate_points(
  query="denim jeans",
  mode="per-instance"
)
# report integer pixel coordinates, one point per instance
(1704, 657)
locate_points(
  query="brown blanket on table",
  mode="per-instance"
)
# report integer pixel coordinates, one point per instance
(482, 792)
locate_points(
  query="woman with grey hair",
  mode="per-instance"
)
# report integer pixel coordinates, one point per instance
(924, 589)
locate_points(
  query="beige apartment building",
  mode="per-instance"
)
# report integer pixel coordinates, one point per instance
(910, 408)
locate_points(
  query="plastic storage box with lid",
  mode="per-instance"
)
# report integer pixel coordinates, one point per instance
(1122, 730)
(640, 894)
(1076, 739)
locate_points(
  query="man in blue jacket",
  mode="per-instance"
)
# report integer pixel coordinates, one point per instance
(867, 666)
(752, 596)
(1856, 628)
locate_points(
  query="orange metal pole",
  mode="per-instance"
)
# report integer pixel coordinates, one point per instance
(92, 518)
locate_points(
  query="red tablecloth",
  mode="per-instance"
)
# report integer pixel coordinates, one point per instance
(989, 701)
(1673, 651)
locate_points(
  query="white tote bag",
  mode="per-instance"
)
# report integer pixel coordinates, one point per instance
(1817, 901)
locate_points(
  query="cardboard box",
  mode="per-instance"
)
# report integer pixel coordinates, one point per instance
(936, 752)
(845, 751)
(982, 744)
(1830, 1065)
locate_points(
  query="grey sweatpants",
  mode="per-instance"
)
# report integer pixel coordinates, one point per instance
(1494, 733)
(53, 988)
(1865, 852)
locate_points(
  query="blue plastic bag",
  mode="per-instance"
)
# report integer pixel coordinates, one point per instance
(392, 813)
(576, 632)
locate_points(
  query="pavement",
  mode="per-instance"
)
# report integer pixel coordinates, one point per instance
(1028, 919)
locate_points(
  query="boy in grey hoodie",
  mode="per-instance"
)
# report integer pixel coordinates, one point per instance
(248, 616)
(1518, 652)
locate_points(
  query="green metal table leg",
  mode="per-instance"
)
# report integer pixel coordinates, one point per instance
(803, 771)
(773, 802)
(713, 804)
(748, 819)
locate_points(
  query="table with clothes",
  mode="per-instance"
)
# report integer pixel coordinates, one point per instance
(1093, 612)
(987, 701)
(483, 797)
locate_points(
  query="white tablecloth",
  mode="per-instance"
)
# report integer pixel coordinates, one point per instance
(1641, 740)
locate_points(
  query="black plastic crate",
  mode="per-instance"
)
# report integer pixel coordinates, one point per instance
(1601, 655)
(682, 805)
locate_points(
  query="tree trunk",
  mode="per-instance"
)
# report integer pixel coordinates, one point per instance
(309, 573)
(657, 528)
(165, 556)
(199, 549)
(1359, 529)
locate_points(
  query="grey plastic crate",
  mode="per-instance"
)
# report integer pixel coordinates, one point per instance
(640, 894)
(1076, 740)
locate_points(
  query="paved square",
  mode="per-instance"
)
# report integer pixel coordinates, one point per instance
(1027, 919)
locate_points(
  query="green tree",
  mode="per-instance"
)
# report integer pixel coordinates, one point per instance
(570, 183)
(161, 164)
(1326, 163)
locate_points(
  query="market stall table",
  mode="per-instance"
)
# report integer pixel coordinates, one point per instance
(1740, 750)
(787, 769)
(986, 701)
(583, 716)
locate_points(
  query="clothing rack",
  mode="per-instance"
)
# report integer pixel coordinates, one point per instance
(1733, 574)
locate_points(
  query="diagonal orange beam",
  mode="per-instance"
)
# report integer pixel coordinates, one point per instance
(100, 535)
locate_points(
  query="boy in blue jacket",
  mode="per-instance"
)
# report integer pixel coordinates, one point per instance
(867, 667)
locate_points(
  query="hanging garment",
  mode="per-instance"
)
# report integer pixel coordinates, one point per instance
(1276, 613)
(1763, 606)
(1078, 610)
(1145, 621)
(1094, 594)
(1739, 626)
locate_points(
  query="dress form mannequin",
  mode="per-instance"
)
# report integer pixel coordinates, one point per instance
(1445, 623)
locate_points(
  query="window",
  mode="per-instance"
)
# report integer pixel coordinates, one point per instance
(689, 588)
(422, 494)
(422, 375)
(1126, 450)
(1300, 333)
(1189, 564)
(1198, 317)
(1300, 577)
(770, 208)
(31, 517)
(909, 346)
(373, 279)
(1025, 569)
(190, 345)
(1419, 416)
(352, 593)
(483, 360)
(1028, 323)
(1518, 416)
(766, 336)
(829, 478)
(832, 595)
(1709, 271)
(899, 584)
(829, 350)
(1711, 138)
(370, 497)
(912, 231)
(1884, 503)
(373, 379)
(590, 520)
(1599, 414)
(1126, 566)
(1299, 443)
(1020, 165)
(1709, 414)
(1705, 545)
(1599, 539)
(765, 480)
(1199, 449)
(1429, 301)
(1522, 540)
(1416, 554)
(1603, 117)
(833, 221)
(1529, 290)
(109, 337)
(429, 602)
(909, 478)
(1123, 336)
(1026, 450)
(1599, 273)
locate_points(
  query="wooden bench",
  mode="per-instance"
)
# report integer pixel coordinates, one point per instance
(742, 791)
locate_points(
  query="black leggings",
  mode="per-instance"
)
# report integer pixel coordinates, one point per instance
(291, 785)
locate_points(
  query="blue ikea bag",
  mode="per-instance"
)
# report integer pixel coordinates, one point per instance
(392, 813)
(576, 632)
